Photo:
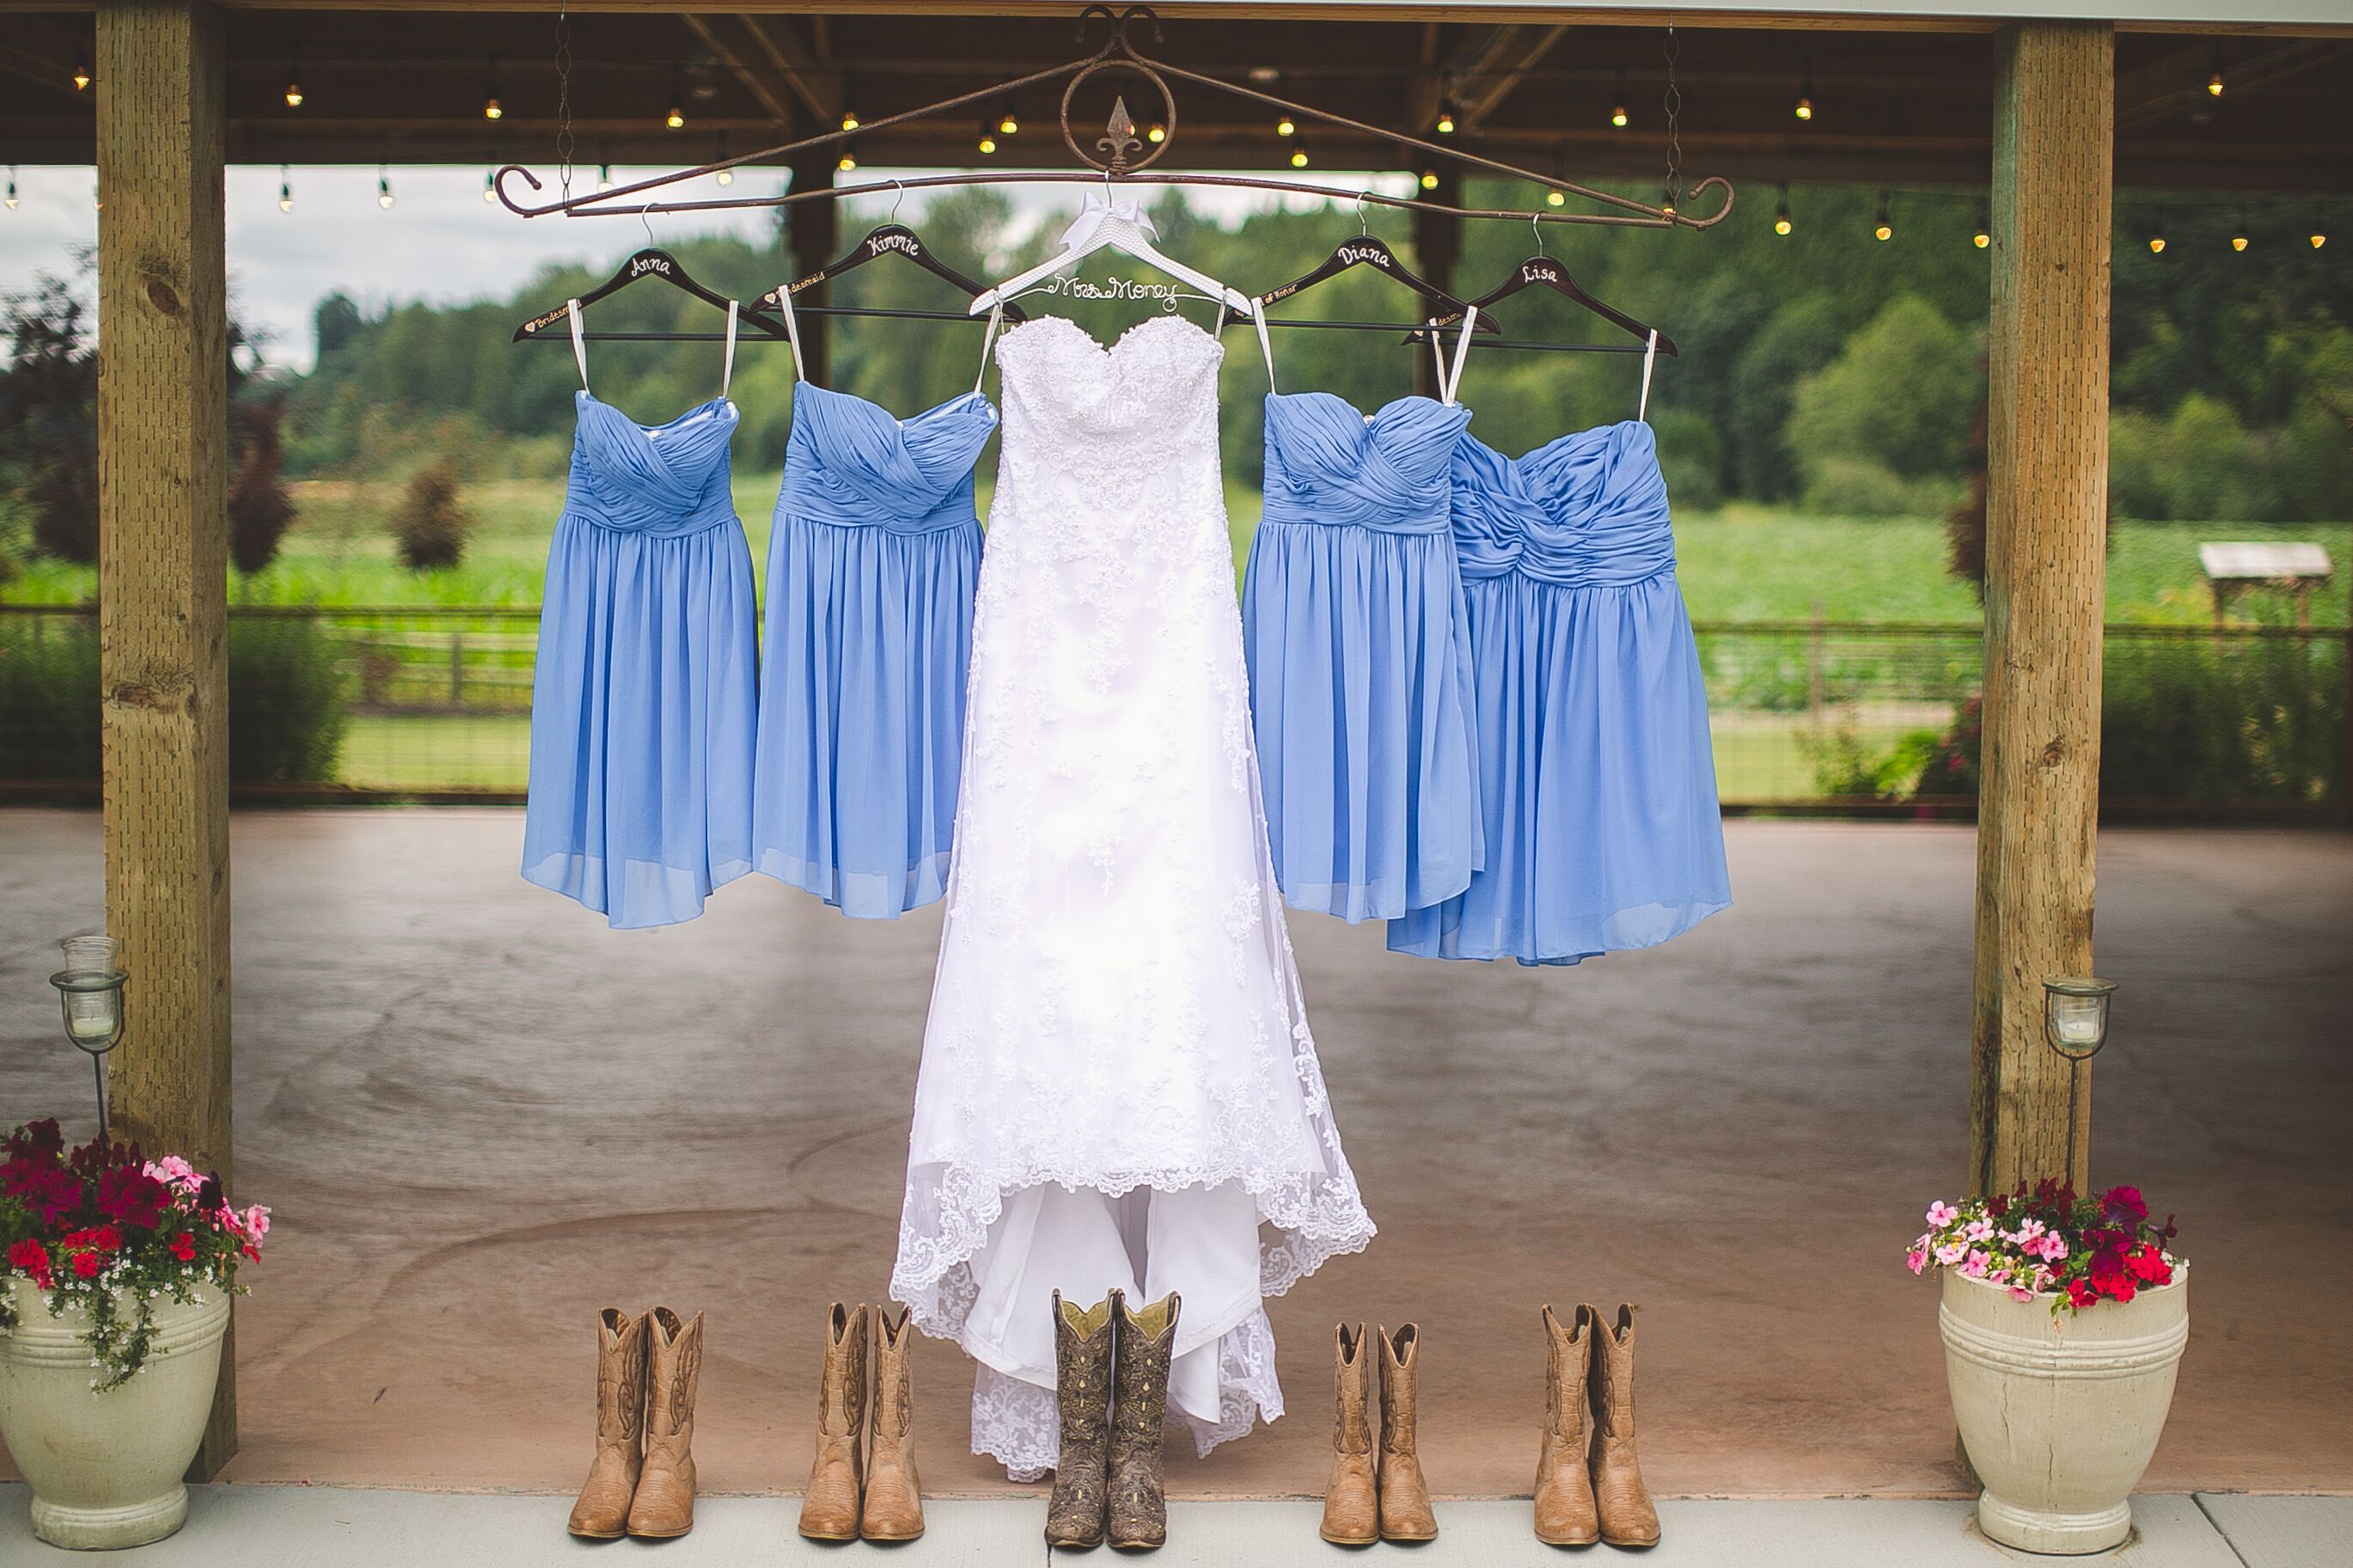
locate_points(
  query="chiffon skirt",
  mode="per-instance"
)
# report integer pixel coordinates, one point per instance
(642, 716)
(860, 731)
(1361, 699)
(1599, 781)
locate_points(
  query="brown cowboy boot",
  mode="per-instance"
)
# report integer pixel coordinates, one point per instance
(1628, 1518)
(829, 1507)
(1404, 1496)
(894, 1493)
(1082, 1376)
(603, 1510)
(1139, 1409)
(1565, 1509)
(664, 1505)
(1351, 1498)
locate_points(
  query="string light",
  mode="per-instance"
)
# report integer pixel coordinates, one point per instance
(676, 118)
(383, 188)
(848, 161)
(491, 108)
(285, 190)
(1982, 236)
(2214, 82)
(2319, 235)
(848, 118)
(987, 142)
(2157, 236)
(294, 76)
(1618, 116)
(1446, 118)
(604, 176)
(1008, 123)
(1286, 126)
(1804, 108)
(12, 187)
(1299, 154)
(1883, 227)
(1430, 179)
(2239, 231)
(1556, 197)
(81, 71)
(719, 155)
(489, 183)
(1781, 223)
(1156, 133)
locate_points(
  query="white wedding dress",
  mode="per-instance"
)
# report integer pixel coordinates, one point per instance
(1118, 1086)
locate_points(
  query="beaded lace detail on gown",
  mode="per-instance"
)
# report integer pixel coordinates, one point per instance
(1119, 1087)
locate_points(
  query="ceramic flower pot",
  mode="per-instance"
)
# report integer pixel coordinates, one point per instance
(2061, 1412)
(106, 1468)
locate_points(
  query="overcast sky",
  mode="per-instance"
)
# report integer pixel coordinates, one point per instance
(440, 240)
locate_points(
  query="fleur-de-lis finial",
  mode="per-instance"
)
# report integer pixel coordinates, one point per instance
(1122, 138)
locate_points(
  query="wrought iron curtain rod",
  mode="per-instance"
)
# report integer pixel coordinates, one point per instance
(1127, 158)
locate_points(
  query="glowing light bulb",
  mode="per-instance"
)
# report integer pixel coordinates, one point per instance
(81, 74)
(383, 189)
(848, 161)
(293, 93)
(850, 120)
(1156, 134)
(285, 191)
(11, 197)
(1981, 238)
(987, 140)
(492, 110)
(2214, 85)
(2156, 245)
(2318, 237)
(1618, 116)
(1008, 124)
(1446, 119)
(1884, 231)
(604, 176)
(1805, 107)
(489, 185)
(1781, 223)
(1556, 197)
(726, 176)
(675, 118)
(1286, 126)
(1430, 179)
(1299, 157)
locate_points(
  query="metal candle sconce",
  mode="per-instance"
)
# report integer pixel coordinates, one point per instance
(2075, 1023)
(89, 994)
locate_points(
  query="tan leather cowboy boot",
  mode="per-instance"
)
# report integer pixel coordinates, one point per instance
(894, 1493)
(664, 1505)
(1404, 1496)
(1083, 1377)
(829, 1508)
(603, 1510)
(1628, 1518)
(1146, 1345)
(1351, 1498)
(1564, 1511)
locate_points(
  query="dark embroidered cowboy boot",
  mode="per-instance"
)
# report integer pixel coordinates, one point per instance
(1082, 1380)
(1565, 1509)
(1351, 1497)
(1139, 1410)
(894, 1493)
(1404, 1496)
(664, 1505)
(1628, 1518)
(829, 1508)
(603, 1510)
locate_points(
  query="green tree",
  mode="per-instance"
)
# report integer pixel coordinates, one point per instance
(1882, 427)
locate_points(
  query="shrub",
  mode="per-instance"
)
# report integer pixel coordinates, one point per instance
(1893, 409)
(259, 511)
(287, 712)
(430, 524)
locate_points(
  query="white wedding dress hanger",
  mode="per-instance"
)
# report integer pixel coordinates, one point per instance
(1121, 226)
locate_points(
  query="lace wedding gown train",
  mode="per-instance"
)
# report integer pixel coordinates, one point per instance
(1118, 1086)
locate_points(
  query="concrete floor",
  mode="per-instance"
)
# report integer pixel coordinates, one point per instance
(481, 1116)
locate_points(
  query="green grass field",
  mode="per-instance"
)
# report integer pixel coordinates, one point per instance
(1741, 563)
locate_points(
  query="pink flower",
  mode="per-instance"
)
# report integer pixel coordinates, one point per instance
(1942, 1214)
(1977, 1230)
(2021, 1293)
(1916, 1259)
(1976, 1266)
(257, 1222)
(178, 1172)
(1952, 1252)
(2028, 1229)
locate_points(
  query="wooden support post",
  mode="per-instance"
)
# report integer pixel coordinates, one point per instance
(1437, 246)
(163, 482)
(2046, 507)
(816, 236)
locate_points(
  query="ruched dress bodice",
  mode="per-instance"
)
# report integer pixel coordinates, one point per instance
(643, 700)
(1596, 778)
(871, 568)
(1360, 677)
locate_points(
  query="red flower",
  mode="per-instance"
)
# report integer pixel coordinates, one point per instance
(2124, 1202)
(183, 1247)
(42, 1137)
(88, 1263)
(1998, 1205)
(34, 1258)
(2079, 1294)
(2149, 1266)
(132, 1196)
(48, 1192)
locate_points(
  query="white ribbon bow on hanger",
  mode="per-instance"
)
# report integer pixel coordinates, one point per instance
(1094, 214)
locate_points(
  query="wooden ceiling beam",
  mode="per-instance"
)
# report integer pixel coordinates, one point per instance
(785, 56)
(770, 94)
(1504, 62)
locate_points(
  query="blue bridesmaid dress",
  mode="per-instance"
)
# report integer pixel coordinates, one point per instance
(871, 569)
(1603, 828)
(1353, 624)
(643, 702)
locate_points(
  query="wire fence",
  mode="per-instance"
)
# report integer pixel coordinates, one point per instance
(433, 703)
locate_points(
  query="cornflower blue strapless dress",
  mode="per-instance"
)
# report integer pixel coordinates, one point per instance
(1353, 620)
(871, 569)
(647, 686)
(1599, 781)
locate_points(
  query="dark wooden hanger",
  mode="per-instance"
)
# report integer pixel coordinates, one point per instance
(651, 262)
(1545, 271)
(1366, 250)
(890, 239)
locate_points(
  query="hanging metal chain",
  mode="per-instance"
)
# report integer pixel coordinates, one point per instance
(1674, 101)
(564, 141)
